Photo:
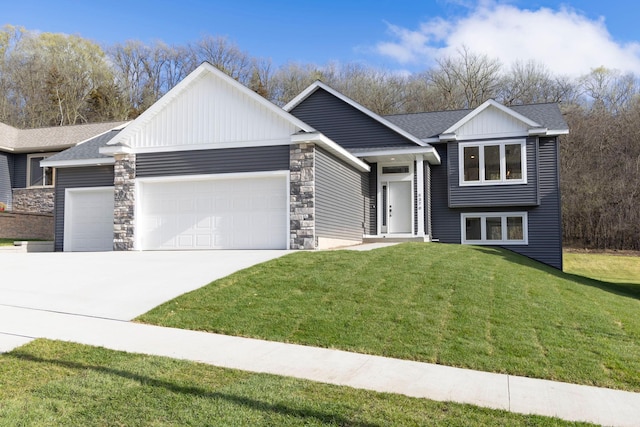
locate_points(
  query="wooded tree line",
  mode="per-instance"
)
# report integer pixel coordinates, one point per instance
(55, 79)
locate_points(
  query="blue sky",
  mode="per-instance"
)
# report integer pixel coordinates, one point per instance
(569, 37)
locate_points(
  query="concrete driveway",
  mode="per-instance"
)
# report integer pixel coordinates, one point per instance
(113, 285)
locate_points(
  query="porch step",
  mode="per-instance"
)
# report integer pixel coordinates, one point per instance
(393, 239)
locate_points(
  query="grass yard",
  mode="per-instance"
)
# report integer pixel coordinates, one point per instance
(473, 307)
(608, 268)
(51, 383)
(6, 242)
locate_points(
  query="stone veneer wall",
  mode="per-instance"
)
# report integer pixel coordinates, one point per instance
(302, 188)
(124, 201)
(33, 200)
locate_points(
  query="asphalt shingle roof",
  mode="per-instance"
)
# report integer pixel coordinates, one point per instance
(86, 150)
(50, 137)
(430, 125)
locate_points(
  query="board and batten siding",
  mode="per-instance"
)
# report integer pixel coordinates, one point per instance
(344, 124)
(342, 199)
(81, 177)
(6, 172)
(211, 111)
(205, 162)
(493, 195)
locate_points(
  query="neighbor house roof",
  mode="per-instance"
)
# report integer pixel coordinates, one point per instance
(86, 153)
(49, 138)
(432, 124)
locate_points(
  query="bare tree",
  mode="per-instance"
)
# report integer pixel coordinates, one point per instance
(467, 80)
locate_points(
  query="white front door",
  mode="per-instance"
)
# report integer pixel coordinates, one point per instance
(398, 207)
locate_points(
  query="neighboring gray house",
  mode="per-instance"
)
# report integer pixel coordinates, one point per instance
(214, 165)
(25, 185)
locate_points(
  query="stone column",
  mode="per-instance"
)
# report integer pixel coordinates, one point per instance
(124, 202)
(302, 197)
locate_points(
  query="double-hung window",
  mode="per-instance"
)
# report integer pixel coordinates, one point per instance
(495, 228)
(495, 162)
(38, 176)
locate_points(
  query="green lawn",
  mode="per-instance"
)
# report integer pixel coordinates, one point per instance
(472, 307)
(6, 242)
(609, 268)
(50, 383)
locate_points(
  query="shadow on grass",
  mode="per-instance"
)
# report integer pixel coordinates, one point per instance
(628, 290)
(198, 392)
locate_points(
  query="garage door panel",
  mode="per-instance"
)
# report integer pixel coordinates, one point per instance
(215, 213)
(88, 220)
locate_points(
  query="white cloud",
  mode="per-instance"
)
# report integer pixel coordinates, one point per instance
(566, 41)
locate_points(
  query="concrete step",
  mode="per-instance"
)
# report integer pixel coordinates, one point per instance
(28, 246)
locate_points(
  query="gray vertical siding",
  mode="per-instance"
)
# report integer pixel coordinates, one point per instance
(544, 221)
(341, 198)
(6, 169)
(20, 171)
(345, 124)
(493, 195)
(373, 199)
(94, 176)
(200, 162)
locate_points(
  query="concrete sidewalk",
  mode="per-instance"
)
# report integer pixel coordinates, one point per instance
(516, 394)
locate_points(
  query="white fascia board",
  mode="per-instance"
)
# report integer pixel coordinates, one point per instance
(319, 85)
(332, 147)
(205, 67)
(556, 132)
(212, 146)
(115, 149)
(77, 163)
(447, 137)
(484, 106)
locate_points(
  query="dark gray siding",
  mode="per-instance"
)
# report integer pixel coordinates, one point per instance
(544, 221)
(95, 176)
(445, 222)
(373, 199)
(341, 198)
(494, 195)
(344, 124)
(20, 171)
(6, 169)
(197, 162)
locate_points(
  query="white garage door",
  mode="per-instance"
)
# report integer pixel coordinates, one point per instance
(214, 213)
(88, 219)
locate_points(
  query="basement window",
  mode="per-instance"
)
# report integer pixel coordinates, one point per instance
(495, 228)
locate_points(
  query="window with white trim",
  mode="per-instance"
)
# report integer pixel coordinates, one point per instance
(38, 176)
(491, 163)
(495, 228)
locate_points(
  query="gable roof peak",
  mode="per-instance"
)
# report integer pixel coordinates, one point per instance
(313, 87)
